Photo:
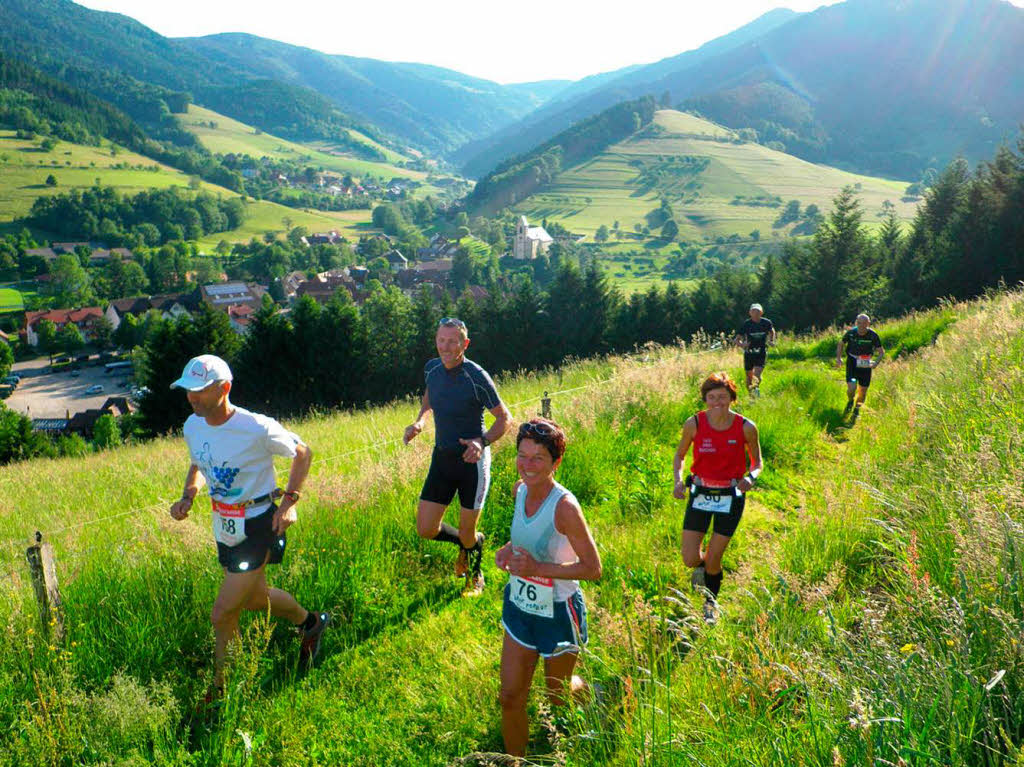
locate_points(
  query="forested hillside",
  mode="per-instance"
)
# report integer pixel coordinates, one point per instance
(874, 86)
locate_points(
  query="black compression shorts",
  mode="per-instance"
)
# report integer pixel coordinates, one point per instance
(449, 475)
(725, 522)
(751, 361)
(853, 373)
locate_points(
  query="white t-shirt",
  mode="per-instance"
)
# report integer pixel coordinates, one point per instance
(237, 457)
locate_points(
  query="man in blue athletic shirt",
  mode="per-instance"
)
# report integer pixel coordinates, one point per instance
(458, 391)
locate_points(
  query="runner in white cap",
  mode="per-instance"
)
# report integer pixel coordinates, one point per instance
(233, 451)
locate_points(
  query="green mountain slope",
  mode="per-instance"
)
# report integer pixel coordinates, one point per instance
(291, 91)
(717, 184)
(880, 86)
(596, 93)
(431, 107)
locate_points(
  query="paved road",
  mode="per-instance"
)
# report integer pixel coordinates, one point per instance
(42, 394)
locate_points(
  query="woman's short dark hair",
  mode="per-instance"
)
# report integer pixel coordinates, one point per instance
(718, 381)
(544, 432)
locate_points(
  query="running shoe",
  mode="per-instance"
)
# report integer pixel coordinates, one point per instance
(710, 611)
(697, 578)
(849, 407)
(462, 563)
(474, 585)
(310, 647)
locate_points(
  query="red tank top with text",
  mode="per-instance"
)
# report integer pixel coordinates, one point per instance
(719, 455)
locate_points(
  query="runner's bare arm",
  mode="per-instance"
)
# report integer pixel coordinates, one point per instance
(285, 515)
(417, 426)
(754, 447)
(839, 351)
(689, 432)
(502, 420)
(193, 483)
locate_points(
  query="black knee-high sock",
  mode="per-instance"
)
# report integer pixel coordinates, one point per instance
(448, 534)
(713, 582)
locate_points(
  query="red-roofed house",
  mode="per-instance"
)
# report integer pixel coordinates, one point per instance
(240, 316)
(85, 318)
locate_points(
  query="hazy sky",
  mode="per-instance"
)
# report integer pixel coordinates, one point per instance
(516, 41)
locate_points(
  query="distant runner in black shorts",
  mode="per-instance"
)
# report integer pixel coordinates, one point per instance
(458, 391)
(754, 336)
(863, 353)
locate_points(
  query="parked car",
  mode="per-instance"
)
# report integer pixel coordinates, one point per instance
(94, 389)
(12, 380)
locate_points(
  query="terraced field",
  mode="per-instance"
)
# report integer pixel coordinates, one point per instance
(717, 187)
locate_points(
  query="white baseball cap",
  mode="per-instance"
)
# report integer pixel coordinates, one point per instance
(756, 306)
(202, 371)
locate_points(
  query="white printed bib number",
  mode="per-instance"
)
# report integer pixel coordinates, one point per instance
(228, 523)
(718, 504)
(533, 595)
(864, 362)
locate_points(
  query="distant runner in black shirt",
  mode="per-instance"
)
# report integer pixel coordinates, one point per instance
(458, 391)
(861, 344)
(754, 336)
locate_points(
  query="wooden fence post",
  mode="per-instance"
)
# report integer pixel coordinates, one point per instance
(545, 406)
(43, 564)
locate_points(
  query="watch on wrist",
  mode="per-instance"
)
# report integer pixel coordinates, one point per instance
(294, 495)
(483, 440)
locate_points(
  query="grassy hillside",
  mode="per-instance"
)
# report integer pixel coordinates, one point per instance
(717, 187)
(870, 615)
(231, 136)
(24, 168)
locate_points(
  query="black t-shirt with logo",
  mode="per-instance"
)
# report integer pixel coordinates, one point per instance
(858, 345)
(757, 335)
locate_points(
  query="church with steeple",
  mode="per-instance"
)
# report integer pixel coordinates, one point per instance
(530, 241)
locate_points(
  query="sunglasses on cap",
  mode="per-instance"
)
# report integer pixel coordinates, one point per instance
(451, 322)
(540, 429)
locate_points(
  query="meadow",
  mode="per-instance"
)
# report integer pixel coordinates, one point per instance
(223, 135)
(24, 168)
(871, 611)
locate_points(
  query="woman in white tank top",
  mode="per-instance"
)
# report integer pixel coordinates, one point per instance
(551, 551)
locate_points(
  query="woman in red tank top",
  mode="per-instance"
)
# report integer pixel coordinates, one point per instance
(722, 442)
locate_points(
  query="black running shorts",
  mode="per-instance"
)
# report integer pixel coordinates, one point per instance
(725, 523)
(449, 475)
(853, 373)
(259, 539)
(751, 361)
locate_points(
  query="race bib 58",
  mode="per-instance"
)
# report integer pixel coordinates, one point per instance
(229, 523)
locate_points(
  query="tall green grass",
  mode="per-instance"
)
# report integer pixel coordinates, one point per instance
(862, 616)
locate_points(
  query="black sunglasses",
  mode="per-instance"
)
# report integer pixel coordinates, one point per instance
(451, 322)
(540, 429)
